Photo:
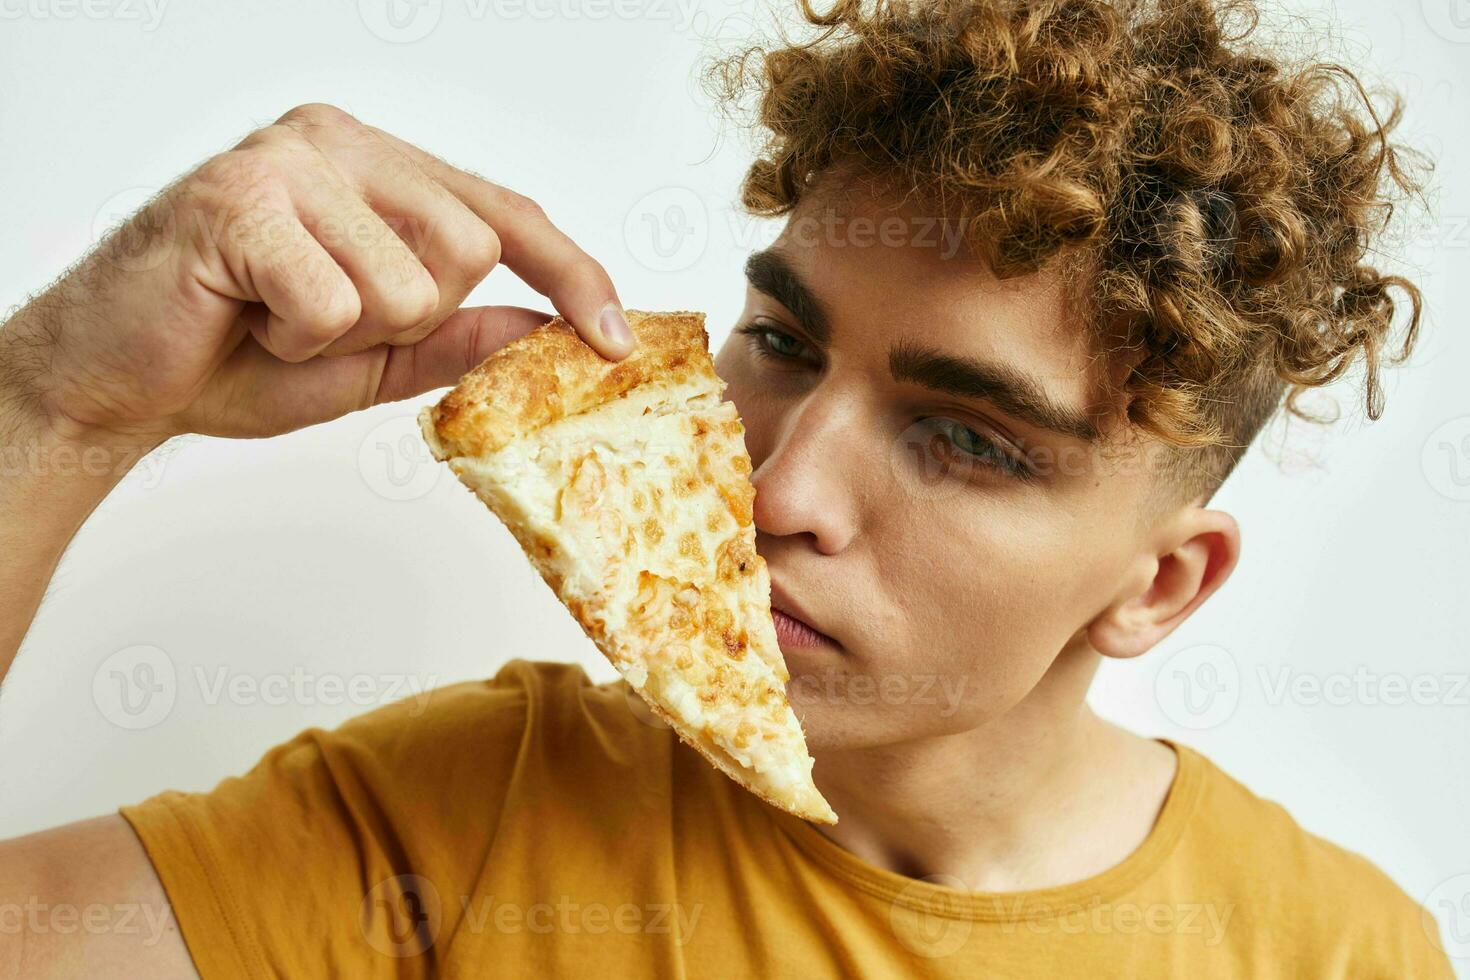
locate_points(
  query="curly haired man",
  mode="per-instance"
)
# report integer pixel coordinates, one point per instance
(1046, 269)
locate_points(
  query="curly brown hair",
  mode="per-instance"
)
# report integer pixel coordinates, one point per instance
(1223, 198)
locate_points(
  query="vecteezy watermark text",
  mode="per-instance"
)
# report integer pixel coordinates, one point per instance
(572, 917)
(401, 916)
(1207, 920)
(1362, 686)
(303, 687)
(407, 21)
(137, 687)
(941, 691)
(34, 917)
(147, 13)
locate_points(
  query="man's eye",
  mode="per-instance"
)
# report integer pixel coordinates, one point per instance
(783, 343)
(769, 342)
(958, 447)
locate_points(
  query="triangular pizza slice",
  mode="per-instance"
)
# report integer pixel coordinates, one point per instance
(628, 485)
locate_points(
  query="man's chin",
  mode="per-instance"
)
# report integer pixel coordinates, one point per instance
(815, 659)
(819, 676)
(842, 707)
(833, 729)
(817, 691)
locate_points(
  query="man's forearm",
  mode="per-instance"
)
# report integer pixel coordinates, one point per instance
(51, 479)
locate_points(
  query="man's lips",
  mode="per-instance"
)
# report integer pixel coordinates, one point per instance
(792, 632)
(791, 629)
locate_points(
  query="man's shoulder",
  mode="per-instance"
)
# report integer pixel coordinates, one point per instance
(552, 705)
(1233, 820)
(1258, 857)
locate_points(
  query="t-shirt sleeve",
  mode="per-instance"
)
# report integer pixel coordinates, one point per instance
(1427, 959)
(341, 851)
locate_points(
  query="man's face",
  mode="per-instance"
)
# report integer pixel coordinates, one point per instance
(928, 493)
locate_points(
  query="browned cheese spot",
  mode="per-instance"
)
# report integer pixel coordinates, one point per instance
(735, 560)
(690, 548)
(653, 531)
(740, 498)
(715, 686)
(743, 733)
(541, 547)
(647, 591)
(735, 643)
(686, 484)
(718, 619)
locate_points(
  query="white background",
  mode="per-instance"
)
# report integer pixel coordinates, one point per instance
(340, 556)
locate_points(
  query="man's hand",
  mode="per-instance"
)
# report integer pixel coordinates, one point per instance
(315, 269)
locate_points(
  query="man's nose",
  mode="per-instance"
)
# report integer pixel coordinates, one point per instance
(809, 482)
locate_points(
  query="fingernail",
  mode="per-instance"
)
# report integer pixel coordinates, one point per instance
(614, 326)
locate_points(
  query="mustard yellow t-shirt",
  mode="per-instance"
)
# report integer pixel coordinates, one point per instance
(538, 825)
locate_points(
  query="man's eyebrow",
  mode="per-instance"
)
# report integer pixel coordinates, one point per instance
(1012, 392)
(770, 272)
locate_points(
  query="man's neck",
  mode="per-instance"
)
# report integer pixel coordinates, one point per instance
(1044, 796)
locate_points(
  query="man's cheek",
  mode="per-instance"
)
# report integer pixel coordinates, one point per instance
(755, 411)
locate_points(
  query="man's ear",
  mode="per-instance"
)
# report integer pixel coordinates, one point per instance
(1194, 554)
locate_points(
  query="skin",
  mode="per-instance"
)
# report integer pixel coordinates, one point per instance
(970, 606)
(1000, 594)
(315, 269)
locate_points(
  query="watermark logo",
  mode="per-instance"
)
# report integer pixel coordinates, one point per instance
(308, 689)
(641, 709)
(1445, 459)
(834, 228)
(133, 235)
(1449, 902)
(667, 230)
(943, 694)
(568, 916)
(1363, 687)
(135, 688)
(127, 464)
(146, 923)
(152, 468)
(929, 922)
(401, 916)
(406, 21)
(1450, 19)
(1198, 687)
(1449, 231)
(395, 461)
(400, 21)
(1206, 922)
(927, 463)
(148, 14)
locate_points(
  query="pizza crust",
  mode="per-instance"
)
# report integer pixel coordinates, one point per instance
(553, 374)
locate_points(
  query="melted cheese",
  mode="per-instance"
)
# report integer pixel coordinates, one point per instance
(637, 513)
